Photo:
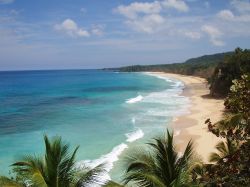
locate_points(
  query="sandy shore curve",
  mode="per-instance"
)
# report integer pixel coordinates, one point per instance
(191, 125)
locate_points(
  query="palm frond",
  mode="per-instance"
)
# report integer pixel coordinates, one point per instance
(53, 156)
(113, 184)
(67, 168)
(143, 179)
(223, 149)
(88, 176)
(214, 157)
(31, 168)
(7, 182)
(230, 121)
(55, 168)
(141, 160)
(160, 166)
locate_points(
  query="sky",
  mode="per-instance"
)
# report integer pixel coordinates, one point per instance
(86, 34)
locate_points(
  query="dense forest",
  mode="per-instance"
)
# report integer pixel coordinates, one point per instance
(232, 67)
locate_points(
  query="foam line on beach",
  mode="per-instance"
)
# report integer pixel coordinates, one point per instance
(170, 97)
(107, 159)
(135, 135)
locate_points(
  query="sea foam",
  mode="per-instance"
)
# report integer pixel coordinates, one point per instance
(135, 99)
(108, 161)
(170, 98)
(162, 105)
(133, 136)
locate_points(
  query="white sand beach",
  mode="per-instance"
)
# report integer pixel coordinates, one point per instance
(191, 126)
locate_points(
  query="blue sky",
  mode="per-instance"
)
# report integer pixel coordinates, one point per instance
(62, 34)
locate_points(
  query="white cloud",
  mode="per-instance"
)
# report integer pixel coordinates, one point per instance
(70, 27)
(142, 17)
(131, 11)
(241, 5)
(229, 16)
(176, 4)
(211, 30)
(240, 13)
(243, 18)
(226, 14)
(148, 17)
(147, 24)
(97, 30)
(192, 34)
(6, 1)
(214, 34)
(217, 42)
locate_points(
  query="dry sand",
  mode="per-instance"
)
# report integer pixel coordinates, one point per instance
(191, 126)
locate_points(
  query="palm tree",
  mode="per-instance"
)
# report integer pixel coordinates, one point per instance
(160, 166)
(113, 184)
(56, 169)
(9, 182)
(224, 149)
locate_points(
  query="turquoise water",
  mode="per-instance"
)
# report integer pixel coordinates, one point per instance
(103, 112)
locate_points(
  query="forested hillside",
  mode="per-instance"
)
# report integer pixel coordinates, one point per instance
(232, 67)
(219, 69)
(202, 66)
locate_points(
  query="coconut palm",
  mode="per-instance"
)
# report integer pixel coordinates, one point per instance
(113, 184)
(9, 182)
(224, 149)
(56, 169)
(159, 166)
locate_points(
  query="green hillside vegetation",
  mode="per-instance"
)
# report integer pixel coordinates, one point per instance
(219, 69)
(202, 66)
(232, 67)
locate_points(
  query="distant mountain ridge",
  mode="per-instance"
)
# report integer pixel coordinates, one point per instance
(202, 66)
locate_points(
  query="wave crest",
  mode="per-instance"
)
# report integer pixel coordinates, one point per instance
(135, 99)
(108, 161)
(133, 136)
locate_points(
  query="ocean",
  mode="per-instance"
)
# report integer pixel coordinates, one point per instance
(103, 112)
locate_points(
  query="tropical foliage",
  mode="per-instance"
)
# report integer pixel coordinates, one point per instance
(160, 166)
(228, 70)
(232, 166)
(9, 182)
(224, 149)
(113, 184)
(57, 168)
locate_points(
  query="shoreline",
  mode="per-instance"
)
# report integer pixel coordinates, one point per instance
(191, 125)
